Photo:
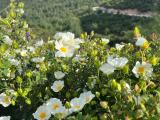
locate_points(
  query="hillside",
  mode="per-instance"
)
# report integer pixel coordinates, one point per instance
(47, 17)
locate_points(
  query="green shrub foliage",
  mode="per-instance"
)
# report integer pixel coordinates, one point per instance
(64, 77)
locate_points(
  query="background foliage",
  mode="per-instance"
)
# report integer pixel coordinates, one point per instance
(76, 16)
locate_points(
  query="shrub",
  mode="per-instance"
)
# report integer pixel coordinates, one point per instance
(75, 78)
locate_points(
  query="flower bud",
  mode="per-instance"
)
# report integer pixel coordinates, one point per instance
(119, 87)
(43, 67)
(12, 14)
(138, 55)
(82, 36)
(13, 102)
(15, 44)
(104, 104)
(20, 91)
(92, 33)
(94, 53)
(103, 117)
(21, 5)
(28, 73)
(139, 114)
(3, 48)
(67, 105)
(154, 60)
(137, 89)
(15, 94)
(28, 101)
(126, 69)
(113, 84)
(98, 94)
(104, 92)
(137, 32)
(68, 95)
(19, 79)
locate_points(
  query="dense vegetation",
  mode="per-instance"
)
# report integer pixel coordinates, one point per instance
(76, 78)
(142, 5)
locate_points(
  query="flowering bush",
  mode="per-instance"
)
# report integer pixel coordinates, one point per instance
(75, 78)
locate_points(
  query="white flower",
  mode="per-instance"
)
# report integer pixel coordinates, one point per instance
(118, 62)
(39, 43)
(119, 46)
(64, 112)
(25, 26)
(5, 118)
(64, 36)
(87, 96)
(54, 105)
(79, 58)
(105, 40)
(59, 74)
(142, 42)
(77, 104)
(137, 99)
(93, 83)
(75, 43)
(23, 53)
(42, 113)
(7, 40)
(107, 68)
(18, 51)
(127, 86)
(21, 11)
(68, 39)
(31, 49)
(5, 100)
(145, 69)
(14, 61)
(38, 59)
(63, 51)
(57, 86)
(11, 91)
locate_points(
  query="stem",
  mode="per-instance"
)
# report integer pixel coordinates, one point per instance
(142, 53)
(4, 9)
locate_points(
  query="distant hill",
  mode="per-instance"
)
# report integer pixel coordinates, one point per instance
(48, 16)
(141, 5)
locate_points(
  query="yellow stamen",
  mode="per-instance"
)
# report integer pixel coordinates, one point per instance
(77, 106)
(55, 106)
(6, 99)
(58, 87)
(141, 70)
(63, 49)
(145, 45)
(42, 115)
